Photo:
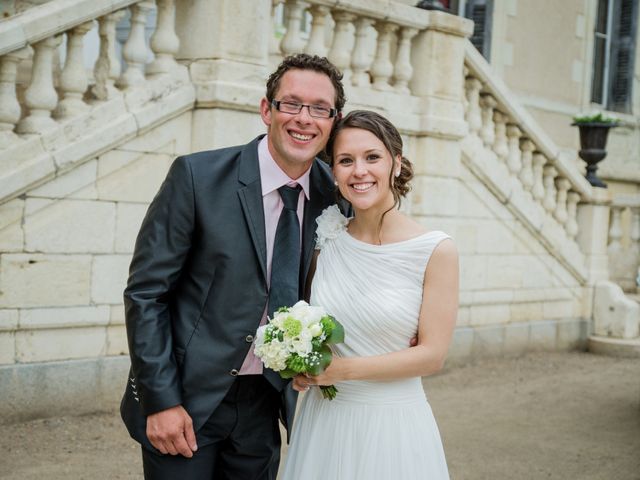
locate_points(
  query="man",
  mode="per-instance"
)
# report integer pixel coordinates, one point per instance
(213, 242)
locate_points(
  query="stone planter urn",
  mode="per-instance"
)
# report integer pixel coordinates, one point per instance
(593, 142)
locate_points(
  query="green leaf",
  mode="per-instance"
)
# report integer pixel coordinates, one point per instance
(288, 373)
(337, 334)
(325, 361)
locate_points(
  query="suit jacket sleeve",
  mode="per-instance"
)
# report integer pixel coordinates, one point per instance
(161, 250)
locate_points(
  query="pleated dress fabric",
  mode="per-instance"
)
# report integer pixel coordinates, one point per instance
(373, 429)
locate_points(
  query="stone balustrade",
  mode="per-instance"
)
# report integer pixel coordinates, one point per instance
(623, 245)
(40, 96)
(526, 166)
(372, 46)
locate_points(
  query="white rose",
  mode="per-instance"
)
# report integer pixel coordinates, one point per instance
(301, 346)
(260, 335)
(315, 329)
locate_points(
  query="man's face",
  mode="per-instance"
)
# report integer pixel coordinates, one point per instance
(294, 140)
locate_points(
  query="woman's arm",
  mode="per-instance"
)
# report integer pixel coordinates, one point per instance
(435, 329)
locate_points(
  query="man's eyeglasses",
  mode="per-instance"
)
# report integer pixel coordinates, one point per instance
(294, 108)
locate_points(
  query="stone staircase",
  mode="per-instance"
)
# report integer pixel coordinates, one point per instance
(84, 145)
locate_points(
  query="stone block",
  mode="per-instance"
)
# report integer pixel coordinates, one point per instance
(572, 334)
(173, 137)
(437, 157)
(492, 297)
(516, 338)
(117, 315)
(435, 196)
(163, 99)
(211, 127)
(78, 183)
(537, 274)
(560, 309)
(489, 314)
(473, 272)
(463, 316)
(37, 318)
(11, 232)
(465, 236)
(523, 312)
(7, 347)
(488, 341)
(505, 271)
(109, 278)
(472, 203)
(128, 220)
(72, 387)
(614, 314)
(69, 226)
(461, 346)
(494, 237)
(9, 319)
(117, 340)
(35, 280)
(24, 164)
(543, 335)
(137, 181)
(60, 344)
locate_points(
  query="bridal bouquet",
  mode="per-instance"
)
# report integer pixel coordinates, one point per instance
(296, 340)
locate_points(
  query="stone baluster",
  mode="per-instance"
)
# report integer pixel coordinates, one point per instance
(292, 42)
(572, 211)
(73, 80)
(634, 230)
(615, 229)
(135, 48)
(474, 113)
(9, 105)
(274, 43)
(488, 133)
(563, 185)
(107, 68)
(500, 146)
(41, 97)
(360, 60)
(340, 53)
(538, 184)
(382, 68)
(164, 41)
(526, 172)
(403, 71)
(514, 158)
(316, 44)
(549, 202)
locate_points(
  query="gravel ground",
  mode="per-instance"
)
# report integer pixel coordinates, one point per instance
(542, 416)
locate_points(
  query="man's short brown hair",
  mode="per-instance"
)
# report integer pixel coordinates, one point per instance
(303, 61)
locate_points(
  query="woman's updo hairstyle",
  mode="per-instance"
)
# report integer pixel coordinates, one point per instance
(384, 130)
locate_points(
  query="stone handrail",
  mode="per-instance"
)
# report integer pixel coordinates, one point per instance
(55, 118)
(516, 159)
(35, 24)
(624, 243)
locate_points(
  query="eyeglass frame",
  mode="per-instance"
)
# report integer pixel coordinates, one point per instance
(332, 111)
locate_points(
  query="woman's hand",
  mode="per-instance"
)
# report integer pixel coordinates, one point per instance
(333, 374)
(300, 383)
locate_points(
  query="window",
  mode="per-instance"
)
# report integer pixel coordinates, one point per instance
(481, 12)
(613, 54)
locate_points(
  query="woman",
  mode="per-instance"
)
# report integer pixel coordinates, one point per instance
(383, 276)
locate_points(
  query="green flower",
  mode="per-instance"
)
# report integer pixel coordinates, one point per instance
(292, 327)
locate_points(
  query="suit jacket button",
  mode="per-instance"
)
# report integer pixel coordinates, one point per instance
(249, 338)
(234, 373)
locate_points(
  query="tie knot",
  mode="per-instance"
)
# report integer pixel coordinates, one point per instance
(290, 196)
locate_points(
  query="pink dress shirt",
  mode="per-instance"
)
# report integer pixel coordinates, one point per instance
(271, 178)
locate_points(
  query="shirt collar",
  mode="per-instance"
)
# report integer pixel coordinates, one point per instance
(272, 176)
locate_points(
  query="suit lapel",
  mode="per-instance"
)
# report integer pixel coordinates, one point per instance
(250, 194)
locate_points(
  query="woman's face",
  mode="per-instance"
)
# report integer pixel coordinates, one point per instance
(362, 166)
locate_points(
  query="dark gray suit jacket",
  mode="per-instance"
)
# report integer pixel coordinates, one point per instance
(197, 286)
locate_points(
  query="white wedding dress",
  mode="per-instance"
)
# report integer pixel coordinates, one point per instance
(372, 429)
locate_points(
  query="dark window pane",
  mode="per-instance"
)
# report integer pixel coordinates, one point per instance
(598, 70)
(622, 55)
(601, 18)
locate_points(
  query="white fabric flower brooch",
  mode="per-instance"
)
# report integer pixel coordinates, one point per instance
(330, 224)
